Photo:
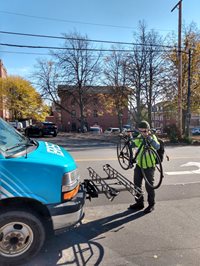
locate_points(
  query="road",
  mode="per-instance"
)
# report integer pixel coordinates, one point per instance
(112, 235)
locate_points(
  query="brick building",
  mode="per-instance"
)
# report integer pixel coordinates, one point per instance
(3, 71)
(97, 112)
(164, 115)
(4, 113)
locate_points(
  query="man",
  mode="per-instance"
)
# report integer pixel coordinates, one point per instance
(149, 168)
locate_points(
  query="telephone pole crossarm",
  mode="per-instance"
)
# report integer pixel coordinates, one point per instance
(176, 6)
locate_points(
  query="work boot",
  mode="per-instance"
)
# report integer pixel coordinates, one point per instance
(136, 206)
(149, 209)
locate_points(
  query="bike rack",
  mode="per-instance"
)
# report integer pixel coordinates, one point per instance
(103, 185)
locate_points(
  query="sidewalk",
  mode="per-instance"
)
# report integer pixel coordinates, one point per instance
(75, 140)
(89, 136)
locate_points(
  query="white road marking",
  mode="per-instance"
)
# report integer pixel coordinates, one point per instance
(197, 164)
(178, 173)
(95, 159)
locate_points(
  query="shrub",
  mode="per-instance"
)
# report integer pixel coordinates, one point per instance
(172, 132)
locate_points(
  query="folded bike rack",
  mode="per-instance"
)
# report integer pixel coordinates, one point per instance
(97, 184)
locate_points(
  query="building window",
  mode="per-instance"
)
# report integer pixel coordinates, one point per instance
(73, 114)
(95, 113)
(95, 101)
(73, 101)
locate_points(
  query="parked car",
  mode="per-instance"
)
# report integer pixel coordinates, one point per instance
(17, 125)
(95, 130)
(196, 131)
(156, 131)
(41, 129)
(126, 127)
(112, 130)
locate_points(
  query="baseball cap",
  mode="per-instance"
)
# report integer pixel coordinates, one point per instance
(144, 124)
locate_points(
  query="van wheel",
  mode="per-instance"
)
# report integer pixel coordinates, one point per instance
(22, 235)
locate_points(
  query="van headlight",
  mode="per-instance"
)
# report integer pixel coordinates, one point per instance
(70, 184)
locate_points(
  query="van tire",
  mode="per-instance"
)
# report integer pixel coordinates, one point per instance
(22, 235)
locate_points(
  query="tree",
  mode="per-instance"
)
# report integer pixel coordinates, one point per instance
(22, 100)
(191, 40)
(155, 72)
(115, 71)
(47, 77)
(75, 65)
(146, 72)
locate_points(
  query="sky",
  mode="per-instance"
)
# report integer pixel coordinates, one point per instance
(109, 20)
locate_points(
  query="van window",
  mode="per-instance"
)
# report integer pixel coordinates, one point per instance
(10, 138)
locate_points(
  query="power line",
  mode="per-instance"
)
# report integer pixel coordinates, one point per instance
(11, 52)
(60, 37)
(68, 48)
(68, 21)
(72, 21)
(83, 39)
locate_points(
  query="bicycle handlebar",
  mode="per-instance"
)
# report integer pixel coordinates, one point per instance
(146, 143)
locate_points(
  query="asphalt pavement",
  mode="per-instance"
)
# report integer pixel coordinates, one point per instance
(110, 234)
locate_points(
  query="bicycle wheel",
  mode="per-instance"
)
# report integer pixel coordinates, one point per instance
(124, 153)
(158, 174)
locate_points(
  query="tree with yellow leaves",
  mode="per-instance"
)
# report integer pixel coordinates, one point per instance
(191, 41)
(22, 100)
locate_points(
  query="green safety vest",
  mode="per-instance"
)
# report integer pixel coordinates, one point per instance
(148, 160)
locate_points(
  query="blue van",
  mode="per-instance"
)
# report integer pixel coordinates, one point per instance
(40, 189)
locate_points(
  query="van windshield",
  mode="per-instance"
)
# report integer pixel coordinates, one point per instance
(11, 141)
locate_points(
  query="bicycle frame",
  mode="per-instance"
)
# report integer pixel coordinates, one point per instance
(127, 140)
(127, 160)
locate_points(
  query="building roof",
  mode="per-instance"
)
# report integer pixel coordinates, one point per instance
(92, 89)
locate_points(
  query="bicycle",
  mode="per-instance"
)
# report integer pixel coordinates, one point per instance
(124, 150)
(127, 157)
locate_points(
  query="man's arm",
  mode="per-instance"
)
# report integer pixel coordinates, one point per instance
(153, 141)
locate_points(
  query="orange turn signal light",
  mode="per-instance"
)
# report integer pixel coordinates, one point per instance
(69, 195)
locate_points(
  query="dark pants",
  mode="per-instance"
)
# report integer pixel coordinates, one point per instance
(138, 177)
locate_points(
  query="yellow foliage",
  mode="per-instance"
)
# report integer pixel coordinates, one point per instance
(192, 42)
(22, 100)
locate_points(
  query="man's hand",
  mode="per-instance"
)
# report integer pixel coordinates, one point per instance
(149, 138)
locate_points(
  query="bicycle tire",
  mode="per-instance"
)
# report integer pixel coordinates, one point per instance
(124, 153)
(158, 167)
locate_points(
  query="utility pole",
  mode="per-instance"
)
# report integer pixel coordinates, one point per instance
(180, 127)
(188, 95)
